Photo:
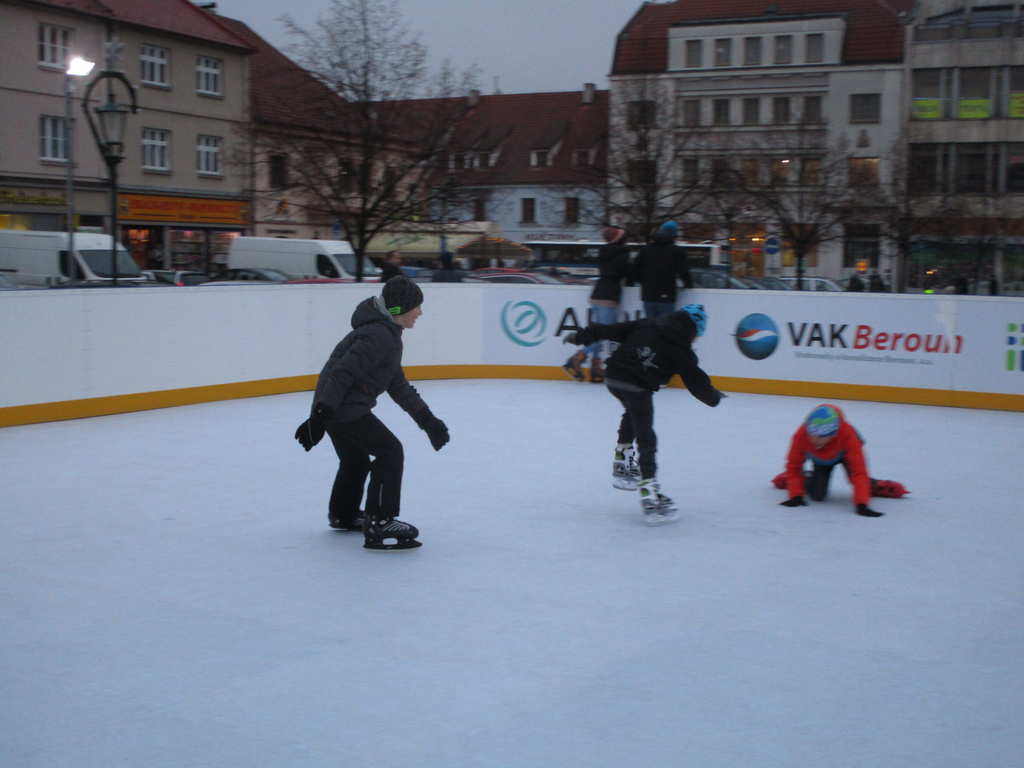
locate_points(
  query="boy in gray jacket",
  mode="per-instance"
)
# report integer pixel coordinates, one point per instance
(364, 365)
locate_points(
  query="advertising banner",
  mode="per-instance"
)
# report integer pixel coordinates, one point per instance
(882, 340)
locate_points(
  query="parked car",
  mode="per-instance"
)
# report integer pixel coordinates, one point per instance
(503, 275)
(40, 258)
(714, 277)
(176, 277)
(249, 275)
(814, 283)
(769, 283)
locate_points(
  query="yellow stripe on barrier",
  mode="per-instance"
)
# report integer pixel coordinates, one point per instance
(144, 401)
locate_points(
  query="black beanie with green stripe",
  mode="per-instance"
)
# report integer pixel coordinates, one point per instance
(401, 294)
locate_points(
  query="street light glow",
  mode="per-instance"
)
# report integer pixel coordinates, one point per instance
(80, 67)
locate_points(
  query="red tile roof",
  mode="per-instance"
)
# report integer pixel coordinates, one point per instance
(179, 17)
(874, 34)
(523, 122)
(282, 92)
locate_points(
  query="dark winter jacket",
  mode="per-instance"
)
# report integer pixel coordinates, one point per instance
(613, 266)
(389, 270)
(447, 275)
(656, 268)
(365, 364)
(650, 352)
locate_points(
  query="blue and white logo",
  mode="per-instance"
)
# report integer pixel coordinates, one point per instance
(757, 336)
(524, 323)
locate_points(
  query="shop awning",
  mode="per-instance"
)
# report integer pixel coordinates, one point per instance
(418, 242)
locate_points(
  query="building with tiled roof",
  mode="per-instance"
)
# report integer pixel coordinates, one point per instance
(532, 163)
(738, 84)
(181, 196)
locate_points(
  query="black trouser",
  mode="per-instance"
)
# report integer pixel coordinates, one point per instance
(818, 478)
(637, 423)
(356, 442)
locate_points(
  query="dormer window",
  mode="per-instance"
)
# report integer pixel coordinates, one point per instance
(457, 162)
(483, 160)
(540, 158)
(581, 158)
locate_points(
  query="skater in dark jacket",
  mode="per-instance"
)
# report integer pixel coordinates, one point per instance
(650, 353)
(364, 365)
(656, 269)
(613, 266)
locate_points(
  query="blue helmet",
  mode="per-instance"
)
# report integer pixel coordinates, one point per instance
(823, 421)
(698, 315)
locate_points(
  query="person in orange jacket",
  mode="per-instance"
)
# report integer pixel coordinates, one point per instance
(827, 439)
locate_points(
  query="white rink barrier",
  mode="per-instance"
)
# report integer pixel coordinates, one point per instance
(84, 352)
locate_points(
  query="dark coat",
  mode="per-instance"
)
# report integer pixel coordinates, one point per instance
(389, 270)
(651, 352)
(364, 365)
(613, 267)
(447, 275)
(656, 268)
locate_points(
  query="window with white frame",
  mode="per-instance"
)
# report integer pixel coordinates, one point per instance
(153, 62)
(814, 48)
(752, 51)
(783, 49)
(156, 144)
(723, 52)
(540, 158)
(694, 53)
(208, 155)
(208, 70)
(53, 138)
(54, 44)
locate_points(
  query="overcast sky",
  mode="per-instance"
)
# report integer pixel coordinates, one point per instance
(528, 45)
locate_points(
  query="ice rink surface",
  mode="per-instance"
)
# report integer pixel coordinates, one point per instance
(172, 596)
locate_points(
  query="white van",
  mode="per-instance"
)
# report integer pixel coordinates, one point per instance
(299, 259)
(41, 258)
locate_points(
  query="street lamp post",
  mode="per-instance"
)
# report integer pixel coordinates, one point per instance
(77, 67)
(108, 129)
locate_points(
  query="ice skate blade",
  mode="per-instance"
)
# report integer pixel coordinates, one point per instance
(655, 520)
(380, 546)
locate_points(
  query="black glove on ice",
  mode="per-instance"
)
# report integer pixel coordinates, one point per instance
(865, 511)
(436, 429)
(796, 501)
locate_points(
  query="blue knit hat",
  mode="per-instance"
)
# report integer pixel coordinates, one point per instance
(668, 229)
(823, 421)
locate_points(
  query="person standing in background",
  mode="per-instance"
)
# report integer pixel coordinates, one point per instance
(613, 268)
(656, 269)
(391, 266)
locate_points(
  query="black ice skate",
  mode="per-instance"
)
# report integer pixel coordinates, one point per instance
(625, 472)
(389, 534)
(353, 524)
(657, 508)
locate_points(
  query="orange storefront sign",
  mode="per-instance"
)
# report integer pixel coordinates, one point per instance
(182, 210)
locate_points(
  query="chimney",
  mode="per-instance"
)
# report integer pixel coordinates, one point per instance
(588, 93)
(474, 98)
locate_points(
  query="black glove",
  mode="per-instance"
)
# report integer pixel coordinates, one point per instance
(796, 501)
(865, 511)
(570, 338)
(436, 429)
(311, 431)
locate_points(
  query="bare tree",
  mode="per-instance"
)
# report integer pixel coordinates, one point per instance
(645, 185)
(808, 188)
(375, 127)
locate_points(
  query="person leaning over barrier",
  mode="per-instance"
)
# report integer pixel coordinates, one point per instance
(364, 365)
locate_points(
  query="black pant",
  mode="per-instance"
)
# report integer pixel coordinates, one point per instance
(637, 423)
(356, 442)
(818, 479)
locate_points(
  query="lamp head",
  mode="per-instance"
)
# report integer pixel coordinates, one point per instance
(79, 67)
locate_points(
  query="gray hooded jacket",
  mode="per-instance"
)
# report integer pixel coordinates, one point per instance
(365, 364)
